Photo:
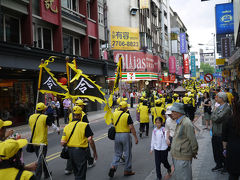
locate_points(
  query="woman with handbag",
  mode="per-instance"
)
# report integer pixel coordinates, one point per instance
(207, 109)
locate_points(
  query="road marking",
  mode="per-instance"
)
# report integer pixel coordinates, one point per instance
(57, 154)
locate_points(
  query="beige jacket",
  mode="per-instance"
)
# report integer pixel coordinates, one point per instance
(184, 145)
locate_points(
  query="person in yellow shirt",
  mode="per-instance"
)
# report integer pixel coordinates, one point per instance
(144, 118)
(185, 99)
(175, 98)
(158, 111)
(123, 124)
(40, 122)
(78, 143)
(81, 104)
(90, 159)
(229, 96)
(4, 134)
(191, 107)
(11, 166)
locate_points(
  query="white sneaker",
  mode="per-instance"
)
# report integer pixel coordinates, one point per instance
(67, 172)
(92, 165)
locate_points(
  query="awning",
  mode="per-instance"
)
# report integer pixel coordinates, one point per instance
(137, 76)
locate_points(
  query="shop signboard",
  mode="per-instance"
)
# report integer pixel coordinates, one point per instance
(186, 64)
(124, 38)
(183, 43)
(193, 66)
(226, 47)
(224, 18)
(144, 4)
(130, 76)
(172, 64)
(138, 61)
(220, 62)
(50, 11)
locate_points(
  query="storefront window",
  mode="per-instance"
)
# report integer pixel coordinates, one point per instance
(17, 100)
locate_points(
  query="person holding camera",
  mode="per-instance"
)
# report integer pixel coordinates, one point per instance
(207, 104)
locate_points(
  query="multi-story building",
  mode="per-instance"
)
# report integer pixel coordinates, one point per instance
(144, 62)
(31, 30)
(209, 58)
(177, 27)
(234, 61)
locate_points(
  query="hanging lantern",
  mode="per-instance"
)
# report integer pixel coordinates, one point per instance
(63, 80)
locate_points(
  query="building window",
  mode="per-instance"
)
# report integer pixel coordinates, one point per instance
(70, 4)
(11, 29)
(36, 7)
(42, 37)
(91, 47)
(100, 15)
(71, 45)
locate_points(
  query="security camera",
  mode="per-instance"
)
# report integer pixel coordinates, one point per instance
(133, 11)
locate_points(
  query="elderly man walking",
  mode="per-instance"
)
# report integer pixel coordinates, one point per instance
(219, 116)
(184, 146)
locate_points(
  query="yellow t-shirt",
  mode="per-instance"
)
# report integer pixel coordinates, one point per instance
(41, 130)
(78, 138)
(230, 97)
(123, 125)
(11, 173)
(144, 117)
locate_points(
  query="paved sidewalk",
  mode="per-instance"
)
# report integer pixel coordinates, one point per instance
(93, 117)
(201, 167)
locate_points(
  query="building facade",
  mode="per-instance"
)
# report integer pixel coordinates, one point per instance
(177, 27)
(31, 30)
(142, 63)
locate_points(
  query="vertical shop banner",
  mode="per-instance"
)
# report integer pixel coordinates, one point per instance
(179, 71)
(144, 4)
(124, 38)
(226, 47)
(50, 11)
(193, 66)
(186, 64)
(172, 64)
(224, 18)
(183, 43)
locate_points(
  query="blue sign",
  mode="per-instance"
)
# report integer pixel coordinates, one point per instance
(183, 44)
(193, 66)
(224, 18)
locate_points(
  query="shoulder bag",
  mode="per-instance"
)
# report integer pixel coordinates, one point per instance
(30, 147)
(64, 154)
(112, 130)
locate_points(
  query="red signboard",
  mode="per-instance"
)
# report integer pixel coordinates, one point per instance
(172, 64)
(139, 61)
(186, 64)
(172, 77)
(50, 11)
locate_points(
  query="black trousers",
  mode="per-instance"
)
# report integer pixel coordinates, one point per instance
(218, 151)
(78, 157)
(233, 176)
(90, 160)
(142, 128)
(161, 157)
(131, 102)
(41, 165)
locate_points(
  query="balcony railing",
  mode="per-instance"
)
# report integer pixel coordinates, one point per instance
(73, 15)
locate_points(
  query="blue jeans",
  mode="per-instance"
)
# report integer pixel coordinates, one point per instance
(65, 111)
(123, 145)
